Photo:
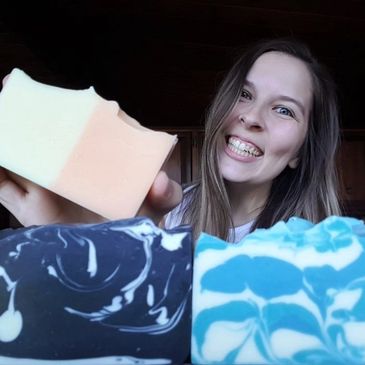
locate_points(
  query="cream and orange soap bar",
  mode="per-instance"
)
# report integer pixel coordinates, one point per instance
(79, 145)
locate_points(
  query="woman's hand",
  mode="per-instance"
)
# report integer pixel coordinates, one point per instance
(34, 205)
(164, 195)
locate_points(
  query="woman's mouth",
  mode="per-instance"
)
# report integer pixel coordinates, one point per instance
(242, 148)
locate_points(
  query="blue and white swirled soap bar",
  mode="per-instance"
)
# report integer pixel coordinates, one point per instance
(111, 293)
(293, 294)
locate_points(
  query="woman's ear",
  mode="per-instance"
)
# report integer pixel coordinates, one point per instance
(293, 163)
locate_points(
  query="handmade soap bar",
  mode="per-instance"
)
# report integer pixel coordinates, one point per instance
(111, 293)
(293, 294)
(79, 145)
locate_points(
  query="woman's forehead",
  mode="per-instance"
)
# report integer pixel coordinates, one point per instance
(280, 73)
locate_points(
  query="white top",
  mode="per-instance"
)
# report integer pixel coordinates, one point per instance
(240, 232)
(174, 219)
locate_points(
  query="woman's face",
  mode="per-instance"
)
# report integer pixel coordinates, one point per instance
(268, 125)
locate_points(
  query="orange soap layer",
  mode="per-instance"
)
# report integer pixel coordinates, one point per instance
(113, 166)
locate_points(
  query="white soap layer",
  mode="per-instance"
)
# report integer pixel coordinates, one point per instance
(50, 137)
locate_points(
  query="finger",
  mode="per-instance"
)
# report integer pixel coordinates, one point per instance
(164, 195)
(5, 79)
(11, 194)
(22, 182)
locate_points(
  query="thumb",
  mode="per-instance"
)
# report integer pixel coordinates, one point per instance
(11, 194)
(5, 79)
(164, 195)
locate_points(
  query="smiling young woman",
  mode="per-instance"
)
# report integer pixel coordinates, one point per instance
(270, 143)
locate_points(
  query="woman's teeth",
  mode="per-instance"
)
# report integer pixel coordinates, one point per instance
(242, 149)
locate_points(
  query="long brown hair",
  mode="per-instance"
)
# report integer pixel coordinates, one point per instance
(308, 191)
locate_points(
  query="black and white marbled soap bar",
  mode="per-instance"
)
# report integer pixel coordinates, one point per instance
(111, 293)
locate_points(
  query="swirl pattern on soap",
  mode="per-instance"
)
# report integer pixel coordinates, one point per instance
(293, 294)
(113, 291)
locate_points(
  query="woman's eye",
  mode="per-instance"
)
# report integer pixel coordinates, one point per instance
(245, 95)
(285, 111)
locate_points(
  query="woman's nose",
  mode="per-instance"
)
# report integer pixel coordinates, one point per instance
(251, 121)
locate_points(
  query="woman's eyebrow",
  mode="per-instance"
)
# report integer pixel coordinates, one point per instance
(249, 83)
